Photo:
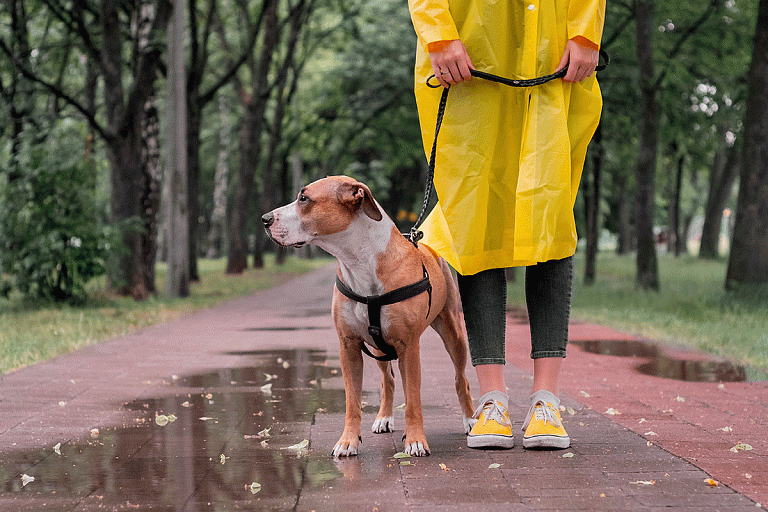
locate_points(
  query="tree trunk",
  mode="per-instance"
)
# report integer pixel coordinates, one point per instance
(250, 148)
(626, 239)
(129, 273)
(592, 204)
(178, 214)
(748, 263)
(675, 238)
(220, 181)
(645, 182)
(721, 178)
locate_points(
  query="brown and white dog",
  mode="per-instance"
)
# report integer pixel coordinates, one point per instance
(340, 215)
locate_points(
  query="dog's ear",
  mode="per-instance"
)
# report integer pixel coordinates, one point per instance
(357, 195)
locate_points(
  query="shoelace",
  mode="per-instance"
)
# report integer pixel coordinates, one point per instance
(543, 412)
(493, 411)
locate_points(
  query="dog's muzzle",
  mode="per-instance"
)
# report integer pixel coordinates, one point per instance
(268, 219)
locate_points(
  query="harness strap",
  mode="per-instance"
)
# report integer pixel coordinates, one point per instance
(375, 302)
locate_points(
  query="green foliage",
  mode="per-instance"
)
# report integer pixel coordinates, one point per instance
(51, 239)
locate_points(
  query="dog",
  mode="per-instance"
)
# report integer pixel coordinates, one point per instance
(339, 215)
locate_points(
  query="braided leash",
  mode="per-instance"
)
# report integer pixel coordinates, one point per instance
(415, 234)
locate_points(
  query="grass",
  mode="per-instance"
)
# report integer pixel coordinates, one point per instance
(692, 308)
(34, 331)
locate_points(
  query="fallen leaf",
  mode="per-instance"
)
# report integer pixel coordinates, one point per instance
(494, 466)
(161, 420)
(300, 446)
(642, 420)
(268, 376)
(680, 399)
(94, 433)
(255, 487)
(726, 429)
(186, 404)
(222, 458)
(57, 448)
(265, 432)
(286, 365)
(584, 394)
(602, 495)
(204, 418)
(267, 389)
(405, 463)
(444, 467)
(710, 482)
(612, 412)
(570, 411)
(747, 476)
(62, 403)
(649, 443)
(650, 433)
(568, 455)
(25, 479)
(562, 408)
(644, 482)
(401, 455)
(721, 386)
(264, 444)
(401, 406)
(741, 446)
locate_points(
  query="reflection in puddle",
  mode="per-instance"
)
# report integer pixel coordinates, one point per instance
(663, 365)
(228, 428)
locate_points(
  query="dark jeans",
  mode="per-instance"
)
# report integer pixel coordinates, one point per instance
(548, 291)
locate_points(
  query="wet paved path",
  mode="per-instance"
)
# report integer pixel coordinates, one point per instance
(195, 414)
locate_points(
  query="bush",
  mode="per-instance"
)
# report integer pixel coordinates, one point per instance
(51, 240)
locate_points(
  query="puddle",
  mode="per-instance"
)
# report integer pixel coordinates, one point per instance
(662, 365)
(211, 452)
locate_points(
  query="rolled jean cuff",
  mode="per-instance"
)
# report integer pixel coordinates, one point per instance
(547, 353)
(488, 360)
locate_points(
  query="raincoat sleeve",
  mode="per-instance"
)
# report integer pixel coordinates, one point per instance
(432, 21)
(586, 19)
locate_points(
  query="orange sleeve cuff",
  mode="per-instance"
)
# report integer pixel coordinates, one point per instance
(583, 41)
(438, 46)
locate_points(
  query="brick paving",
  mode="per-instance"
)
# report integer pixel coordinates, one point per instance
(245, 382)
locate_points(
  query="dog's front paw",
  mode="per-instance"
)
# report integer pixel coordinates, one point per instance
(468, 424)
(383, 425)
(416, 446)
(346, 447)
(417, 449)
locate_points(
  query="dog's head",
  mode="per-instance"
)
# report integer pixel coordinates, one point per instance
(325, 207)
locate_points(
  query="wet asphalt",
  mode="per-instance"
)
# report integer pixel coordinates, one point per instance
(239, 407)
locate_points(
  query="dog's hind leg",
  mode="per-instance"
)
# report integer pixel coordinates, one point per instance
(448, 326)
(385, 420)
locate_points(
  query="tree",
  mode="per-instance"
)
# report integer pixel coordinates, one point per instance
(747, 263)
(128, 72)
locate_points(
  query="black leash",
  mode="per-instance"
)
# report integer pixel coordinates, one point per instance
(374, 303)
(415, 234)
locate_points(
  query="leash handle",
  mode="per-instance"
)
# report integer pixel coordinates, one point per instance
(529, 82)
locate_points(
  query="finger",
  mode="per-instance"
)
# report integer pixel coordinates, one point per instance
(564, 59)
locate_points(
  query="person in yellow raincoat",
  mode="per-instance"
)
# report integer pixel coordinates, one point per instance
(507, 171)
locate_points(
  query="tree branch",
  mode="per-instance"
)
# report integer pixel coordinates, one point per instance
(56, 91)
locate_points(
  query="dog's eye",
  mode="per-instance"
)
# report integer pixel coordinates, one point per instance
(303, 198)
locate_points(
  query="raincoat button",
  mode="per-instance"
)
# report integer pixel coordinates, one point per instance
(531, 7)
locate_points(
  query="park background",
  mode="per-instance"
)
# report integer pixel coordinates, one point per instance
(142, 140)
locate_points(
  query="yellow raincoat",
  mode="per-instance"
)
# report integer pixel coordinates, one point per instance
(509, 160)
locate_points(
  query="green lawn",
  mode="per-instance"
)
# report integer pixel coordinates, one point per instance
(691, 309)
(31, 332)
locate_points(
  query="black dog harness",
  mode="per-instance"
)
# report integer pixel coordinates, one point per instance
(375, 302)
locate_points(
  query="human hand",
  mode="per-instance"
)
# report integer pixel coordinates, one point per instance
(581, 61)
(451, 64)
